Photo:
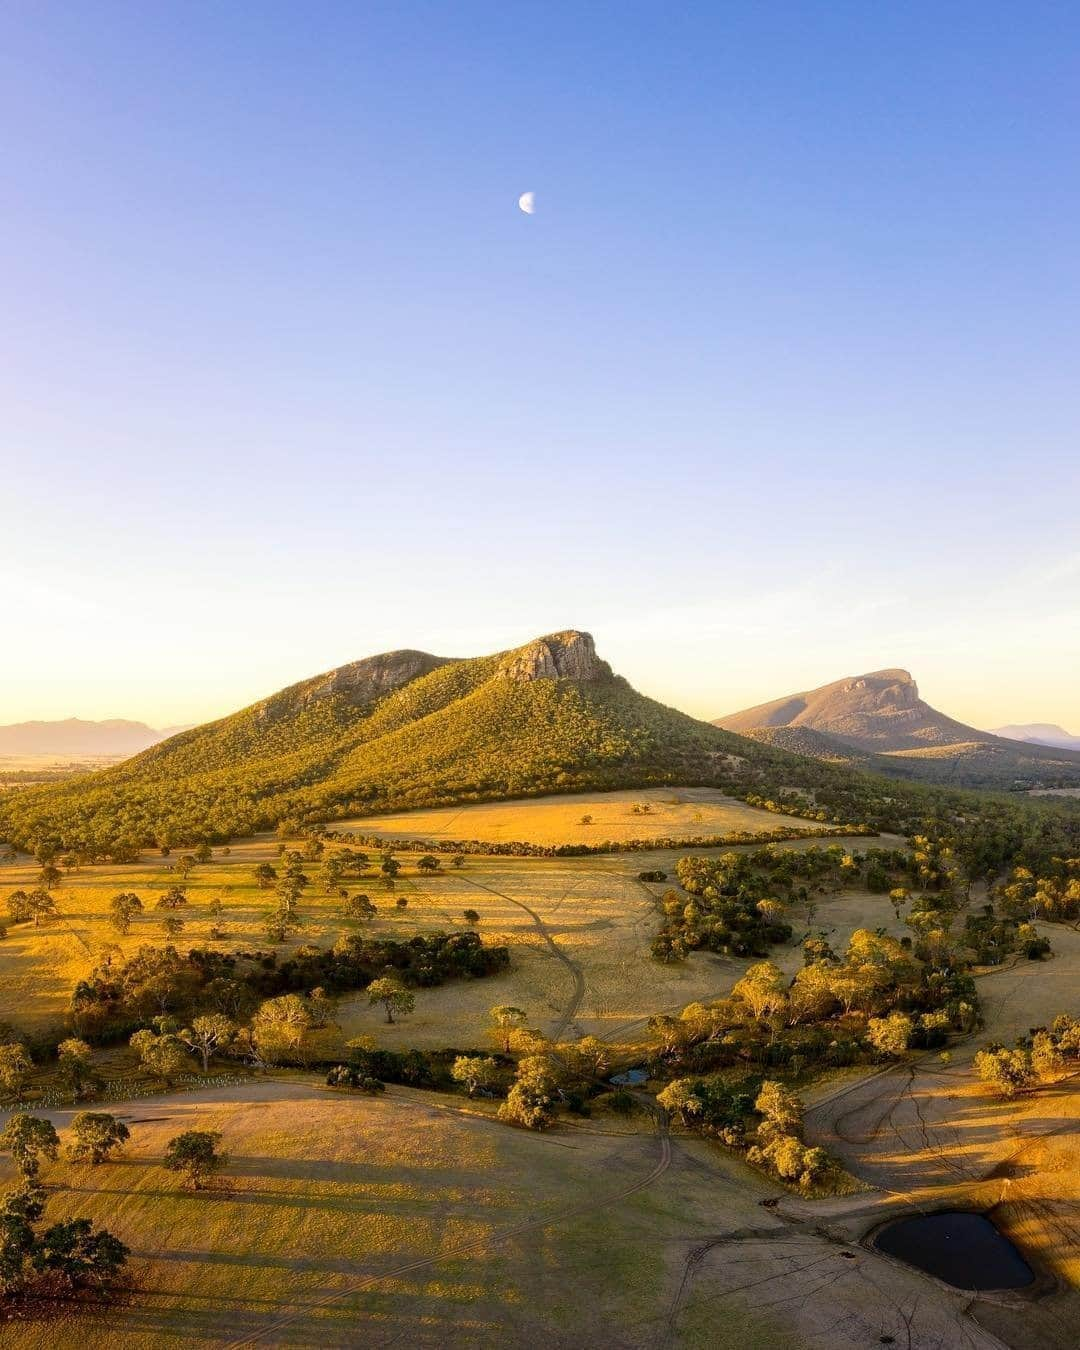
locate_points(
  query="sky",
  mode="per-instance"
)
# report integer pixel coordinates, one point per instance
(778, 383)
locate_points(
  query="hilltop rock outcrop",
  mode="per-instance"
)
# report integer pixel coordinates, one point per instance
(559, 656)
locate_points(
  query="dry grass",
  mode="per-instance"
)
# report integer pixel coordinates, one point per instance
(345, 1220)
(674, 813)
(594, 910)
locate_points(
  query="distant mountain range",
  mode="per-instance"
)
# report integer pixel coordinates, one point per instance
(77, 738)
(879, 723)
(1040, 733)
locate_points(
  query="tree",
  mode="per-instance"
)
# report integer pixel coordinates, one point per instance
(898, 898)
(476, 1073)
(122, 909)
(196, 1156)
(15, 1066)
(428, 863)
(471, 917)
(780, 1107)
(280, 923)
(281, 1027)
(203, 853)
(49, 876)
(402, 902)
(74, 1062)
(458, 860)
(43, 908)
(763, 989)
(265, 876)
(163, 1055)
(390, 867)
(360, 907)
(208, 1034)
(1047, 1058)
(890, 1035)
(530, 1103)
(19, 907)
(29, 1140)
(288, 891)
(174, 898)
(393, 995)
(588, 1058)
(506, 1017)
(173, 925)
(19, 1210)
(1009, 1071)
(96, 1136)
(673, 1033)
(772, 911)
(215, 907)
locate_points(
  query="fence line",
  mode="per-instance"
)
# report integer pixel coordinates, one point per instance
(117, 1089)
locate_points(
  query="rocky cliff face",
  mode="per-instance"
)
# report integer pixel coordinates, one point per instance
(361, 682)
(559, 656)
(364, 681)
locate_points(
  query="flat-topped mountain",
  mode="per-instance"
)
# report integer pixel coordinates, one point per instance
(879, 722)
(881, 711)
(401, 729)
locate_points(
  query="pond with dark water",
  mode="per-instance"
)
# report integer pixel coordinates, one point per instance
(964, 1250)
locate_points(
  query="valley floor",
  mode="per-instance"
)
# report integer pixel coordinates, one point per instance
(417, 1219)
(405, 1220)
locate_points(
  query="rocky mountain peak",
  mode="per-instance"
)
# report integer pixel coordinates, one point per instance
(570, 655)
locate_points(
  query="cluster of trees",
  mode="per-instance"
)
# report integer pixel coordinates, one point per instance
(125, 994)
(765, 1120)
(879, 999)
(1053, 895)
(459, 849)
(739, 902)
(542, 1080)
(36, 1260)
(1045, 1054)
(64, 1256)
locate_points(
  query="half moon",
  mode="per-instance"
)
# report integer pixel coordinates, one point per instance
(527, 202)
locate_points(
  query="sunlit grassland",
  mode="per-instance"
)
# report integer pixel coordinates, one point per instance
(589, 915)
(325, 1191)
(674, 813)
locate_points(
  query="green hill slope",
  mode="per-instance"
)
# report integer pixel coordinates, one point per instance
(403, 729)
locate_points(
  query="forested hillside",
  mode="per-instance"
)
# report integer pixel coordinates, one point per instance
(409, 729)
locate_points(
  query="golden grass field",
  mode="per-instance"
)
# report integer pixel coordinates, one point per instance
(404, 1220)
(417, 1219)
(674, 813)
(579, 930)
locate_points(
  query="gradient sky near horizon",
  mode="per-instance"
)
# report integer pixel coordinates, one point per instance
(779, 383)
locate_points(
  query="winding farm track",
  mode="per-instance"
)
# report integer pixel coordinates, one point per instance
(570, 1011)
(663, 1162)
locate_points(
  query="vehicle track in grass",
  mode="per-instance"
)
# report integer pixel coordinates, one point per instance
(570, 1011)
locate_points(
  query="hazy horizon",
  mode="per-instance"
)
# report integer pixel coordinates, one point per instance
(776, 385)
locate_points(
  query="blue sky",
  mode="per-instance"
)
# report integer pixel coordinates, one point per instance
(778, 384)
